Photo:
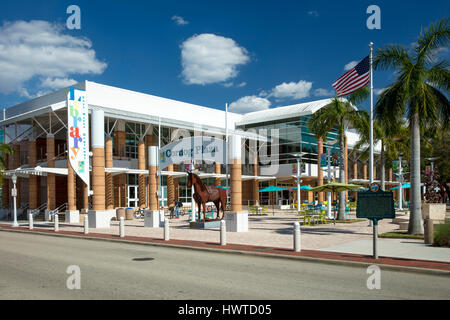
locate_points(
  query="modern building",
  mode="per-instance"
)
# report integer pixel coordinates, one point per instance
(37, 131)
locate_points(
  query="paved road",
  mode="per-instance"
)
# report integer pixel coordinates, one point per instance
(34, 267)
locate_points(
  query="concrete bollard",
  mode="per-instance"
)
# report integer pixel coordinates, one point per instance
(86, 225)
(30, 221)
(166, 229)
(428, 231)
(223, 233)
(297, 242)
(56, 222)
(122, 227)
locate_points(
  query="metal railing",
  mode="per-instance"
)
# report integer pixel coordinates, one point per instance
(62, 207)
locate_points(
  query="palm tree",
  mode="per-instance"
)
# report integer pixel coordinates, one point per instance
(416, 93)
(387, 132)
(339, 114)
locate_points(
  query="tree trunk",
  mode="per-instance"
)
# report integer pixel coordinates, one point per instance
(383, 167)
(341, 212)
(415, 219)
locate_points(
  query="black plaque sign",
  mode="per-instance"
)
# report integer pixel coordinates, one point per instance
(375, 205)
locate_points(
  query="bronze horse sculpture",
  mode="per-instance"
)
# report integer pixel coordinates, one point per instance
(204, 194)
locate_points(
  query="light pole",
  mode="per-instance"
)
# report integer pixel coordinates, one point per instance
(400, 179)
(14, 194)
(432, 162)
(299, 173)
(329, 177)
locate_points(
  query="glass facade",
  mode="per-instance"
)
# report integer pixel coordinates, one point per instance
(293, 136)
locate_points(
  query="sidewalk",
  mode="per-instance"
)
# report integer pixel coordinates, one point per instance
(395, 263)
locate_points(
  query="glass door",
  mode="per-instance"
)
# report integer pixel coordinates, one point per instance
(133, 196)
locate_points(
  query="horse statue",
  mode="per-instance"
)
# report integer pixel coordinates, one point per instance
(204, 194)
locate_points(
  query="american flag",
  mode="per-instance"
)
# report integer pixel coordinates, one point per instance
(353, 79)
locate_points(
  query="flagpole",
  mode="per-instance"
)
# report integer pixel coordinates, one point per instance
(371, 116)
(226, 151)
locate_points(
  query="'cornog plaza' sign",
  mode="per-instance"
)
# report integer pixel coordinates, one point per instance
(78, 130)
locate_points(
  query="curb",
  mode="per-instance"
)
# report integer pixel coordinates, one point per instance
(355, 264)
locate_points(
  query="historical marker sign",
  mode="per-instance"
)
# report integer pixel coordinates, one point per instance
(377, 204)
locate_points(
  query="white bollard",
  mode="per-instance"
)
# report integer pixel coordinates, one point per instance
(122, 227)
(166, 229)
(223, 233)
(297, 242)
(30, 221)
(86, 225)
(56, 222)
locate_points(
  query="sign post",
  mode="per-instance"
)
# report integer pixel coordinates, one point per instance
(375, 204)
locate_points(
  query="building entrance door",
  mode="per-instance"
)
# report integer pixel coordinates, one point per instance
(133, 196)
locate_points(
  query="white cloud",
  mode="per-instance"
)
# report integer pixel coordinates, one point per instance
(57, 83)
(292, 90)
(180, 20)
(228, 84)
(350, 65)
(40, 49)
(320, 92)
(379, 91)
(313, 13)
(208, 58)
(249, 104)
(242, 84)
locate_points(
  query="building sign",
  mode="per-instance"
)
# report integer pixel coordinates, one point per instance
(78, 133)
(193, 148)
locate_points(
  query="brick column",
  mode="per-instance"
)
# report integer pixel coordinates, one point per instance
(365, 171)
(217, 170)
(71, 187)
(141, 177)
(170, 187)
(152, 176)
(390, 174)
(51, 187)
(148, 142)
(255, 182)
(319, 169)
(236, 174)
(5, 185)
(33, 189)
(374, 172)
(109, 189)
(85, 205)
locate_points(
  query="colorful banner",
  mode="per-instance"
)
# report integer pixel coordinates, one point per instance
(78, 133)
(323, 160)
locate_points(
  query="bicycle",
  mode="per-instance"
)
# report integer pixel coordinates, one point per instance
(139, 213)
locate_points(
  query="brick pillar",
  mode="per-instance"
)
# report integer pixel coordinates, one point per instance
(255, 182)
(374, 172)
(148, 142)
(152, 176)
(98, 179)
(85, 197)
(71, 187)
(365, 171)
(236, 174)
(390, 174)
(51, 187)
(109, 189)
(141, 177)
(170, 187)
(33, 186)
(119, 150)
(217, 170)
(319, 169)
(5, 185)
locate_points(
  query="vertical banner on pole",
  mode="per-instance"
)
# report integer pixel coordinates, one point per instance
(78, 131)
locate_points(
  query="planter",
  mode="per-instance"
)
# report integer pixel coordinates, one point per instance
(433, 211)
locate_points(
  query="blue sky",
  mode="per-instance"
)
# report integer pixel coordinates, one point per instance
(255, 54)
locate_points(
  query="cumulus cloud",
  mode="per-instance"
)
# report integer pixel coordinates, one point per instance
(320, 92)
(350, 65)
(39, 50)
(249, 104)
(292, 90)
(208, 58)
(180, 20)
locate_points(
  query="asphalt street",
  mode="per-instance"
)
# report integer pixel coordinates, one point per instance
(35, 267)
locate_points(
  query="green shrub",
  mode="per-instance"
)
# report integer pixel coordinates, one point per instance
(442, 234)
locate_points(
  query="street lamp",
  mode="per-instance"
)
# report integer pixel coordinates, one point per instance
(329, 176)
(299, 173)
(432, 162)
(400, 179)
(14, 194)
